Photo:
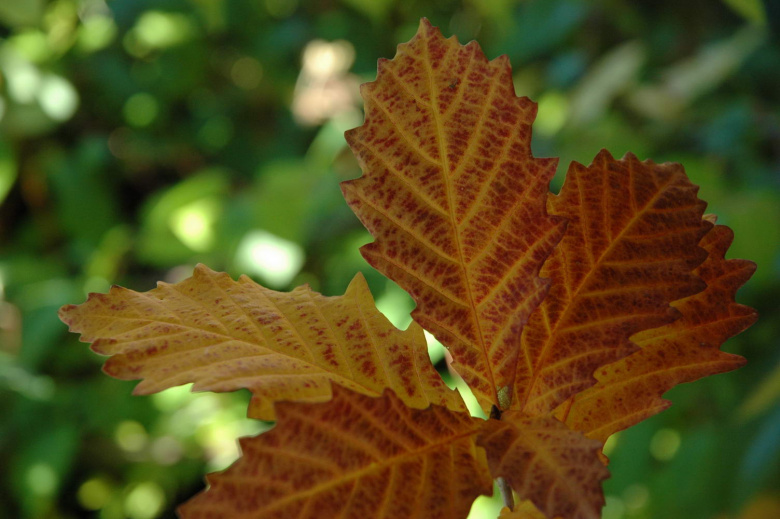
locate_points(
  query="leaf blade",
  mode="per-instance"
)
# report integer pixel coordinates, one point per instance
(376, 458)
(547, 463)
(685, 350)
(224, 335)
(455, 200)
(628, 252)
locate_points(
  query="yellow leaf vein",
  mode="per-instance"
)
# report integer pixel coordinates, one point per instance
(402, 132)
(450, 202)
(637, 216)
(419, 237)
(419, 193)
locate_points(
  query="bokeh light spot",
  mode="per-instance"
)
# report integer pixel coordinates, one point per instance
(274, 259)
(193, 223)
(57, 97)
(60, 21)
(324, 88)
(216, 133)
(96, 32)
(32, 45)
(131, 436)
(42, 479)
(322, 59)
(246, 73)
(664, 444)
(145, 501)
(553, 110)
(636, 497)
(158, 30)
(167, 450)
(614, 508)
(23, 78)
(140, 109)
(94, 494)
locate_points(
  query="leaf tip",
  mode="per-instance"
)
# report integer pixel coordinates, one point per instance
(64, 313)
(710, 217)
(604, 156)
(358, 286)
(202, 270)
(427, 29)
(737, 361)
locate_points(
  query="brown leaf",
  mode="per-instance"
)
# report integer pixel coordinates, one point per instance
(685, 350)
(547, 463)
(225, 335)
(628, 252)
(353, 457)
(455, 200)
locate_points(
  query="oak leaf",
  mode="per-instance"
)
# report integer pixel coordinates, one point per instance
(629, 250)
(547, 463)
(225, 335)
(568, 315)
(685, 350)
(455, 200)
(353, 457)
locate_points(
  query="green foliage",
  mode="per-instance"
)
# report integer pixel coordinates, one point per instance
(138, 137)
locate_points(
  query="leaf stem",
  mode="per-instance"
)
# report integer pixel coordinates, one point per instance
(506, 493)
(503, 486)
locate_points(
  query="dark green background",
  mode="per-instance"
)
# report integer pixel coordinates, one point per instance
(125, 121)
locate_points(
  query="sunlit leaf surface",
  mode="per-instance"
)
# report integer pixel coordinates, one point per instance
(629, 251)
(354, 457)
(568, 315)
(455, 200)
(685, 350)
(545, 462)
(225, 335)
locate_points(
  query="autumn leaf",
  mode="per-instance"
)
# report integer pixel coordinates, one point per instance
(547, 463)
(455, 200)
(628, 252)
(568, 315)
(225, 335)
(685, 350)
(353, 457)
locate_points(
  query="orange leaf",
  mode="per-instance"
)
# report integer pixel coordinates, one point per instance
(455, 200)
(547, 463)
(225, 335)
(628, 252)
(353, 457)
(630, 390)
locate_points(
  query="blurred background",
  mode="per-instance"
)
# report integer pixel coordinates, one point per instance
(139, 137)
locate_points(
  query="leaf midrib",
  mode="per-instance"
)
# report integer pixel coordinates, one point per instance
(640, 212)
(450, 201)
(226, 337)
(374, 467)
